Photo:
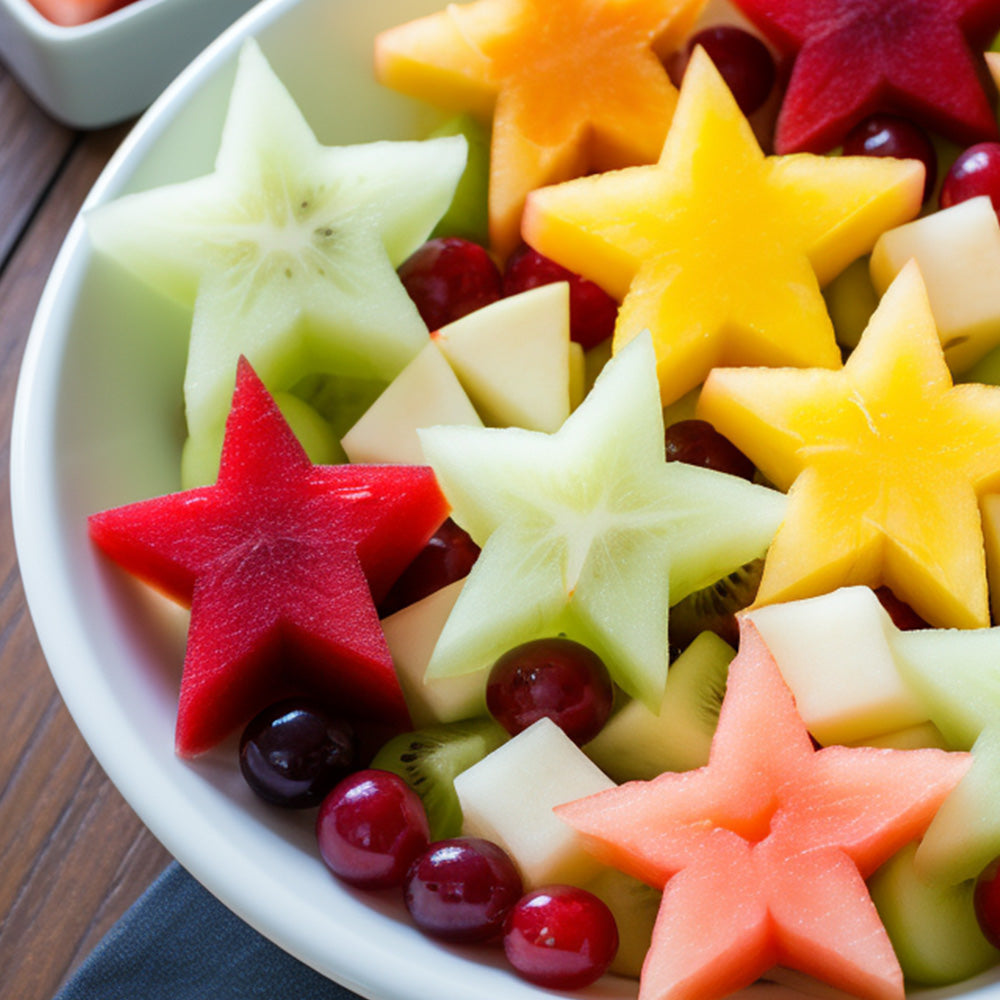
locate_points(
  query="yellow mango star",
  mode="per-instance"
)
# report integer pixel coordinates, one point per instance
(717, 249)
(572, 85)
(884, 461)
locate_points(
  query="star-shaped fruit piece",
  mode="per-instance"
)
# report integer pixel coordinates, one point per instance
(278, 561)
(589, 531)
(885, 461)
(921, 59)
(573, 85)
(288, 251)
(762, 853)
(717, 249)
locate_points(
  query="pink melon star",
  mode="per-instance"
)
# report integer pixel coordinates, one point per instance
(920, 59)
(278, 562)
(762, 853)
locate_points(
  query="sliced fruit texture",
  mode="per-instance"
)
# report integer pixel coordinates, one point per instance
(917, 58)
(589, 531)
(278, 562)
(884, 460)
(717, 249)
(762, 853)
(287, 252)
(520, 61)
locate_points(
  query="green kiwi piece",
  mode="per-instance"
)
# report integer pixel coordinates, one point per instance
(713, 608)
(430, 759)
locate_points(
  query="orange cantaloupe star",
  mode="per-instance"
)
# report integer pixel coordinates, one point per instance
(572, 85)
(885, 462)
(720, 250)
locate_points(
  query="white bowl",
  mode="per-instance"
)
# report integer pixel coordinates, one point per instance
(95, 74)
(96, 425)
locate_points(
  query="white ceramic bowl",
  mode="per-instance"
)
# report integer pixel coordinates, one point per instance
(112, 68)
(97, 424)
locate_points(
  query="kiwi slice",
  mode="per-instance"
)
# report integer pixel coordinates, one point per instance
(713, 608)
(430, 759)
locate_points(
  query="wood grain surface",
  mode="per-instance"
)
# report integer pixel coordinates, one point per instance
(73, 856)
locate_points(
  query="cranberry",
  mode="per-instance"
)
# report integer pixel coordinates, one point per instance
(743, 61)
(462, 889)
(560, 937)
(887, 135)
(592, 312)
(294, 752)
(555, 678)
(986, 901)
(370, 828)
(902, 615)
(975, 172)
(449, 277)
(697, 442)
(447, 557)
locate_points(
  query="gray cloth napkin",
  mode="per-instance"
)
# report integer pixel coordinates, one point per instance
(178, 942)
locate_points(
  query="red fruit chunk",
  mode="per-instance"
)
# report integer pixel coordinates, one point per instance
(986, 901)
(462, 889)
(279, 561)
(921, 59)
(697, 442)
(744, 61)
(975, 172)
(370, 829)
(592, 312)
(447, 557)
(449, 277)
(887, 135)
(560, 937)
(556, 678)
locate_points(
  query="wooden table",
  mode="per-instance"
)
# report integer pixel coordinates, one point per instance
(73, 856)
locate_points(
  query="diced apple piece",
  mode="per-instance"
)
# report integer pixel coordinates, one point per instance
(425, 393)
(834, 653)
(509, 795)
(411, 634)
(958, 252)
(513, 358)
(635, 743)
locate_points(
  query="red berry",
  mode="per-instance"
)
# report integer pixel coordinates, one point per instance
(449, 277)
(447, 557)
(697, 442)
(743, 61)
(370, 828)
(592, 312)
(557, 679)
(986, 901)
(902, 615)
(887, 135)
(462, 889)
(560, 937)
(975, 172)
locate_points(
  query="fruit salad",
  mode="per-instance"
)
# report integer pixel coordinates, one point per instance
(591, 509)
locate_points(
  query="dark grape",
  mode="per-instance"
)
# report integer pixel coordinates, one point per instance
(975, 172)
(697, 442)
(887, 135)
(743, 61)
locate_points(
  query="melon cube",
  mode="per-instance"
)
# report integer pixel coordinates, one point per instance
(834, 653)
(509, 795)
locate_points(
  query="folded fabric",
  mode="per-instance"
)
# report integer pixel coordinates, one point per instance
(178, 942)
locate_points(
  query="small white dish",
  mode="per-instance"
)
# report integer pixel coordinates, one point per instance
(97, 424)
(110, 69)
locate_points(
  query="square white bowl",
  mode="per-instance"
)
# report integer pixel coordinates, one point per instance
(109, 69)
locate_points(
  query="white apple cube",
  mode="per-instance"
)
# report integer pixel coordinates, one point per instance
(508, 797)
(835, 654)
(513, 358)
(424, 394)
(958, 252)
(412, 634)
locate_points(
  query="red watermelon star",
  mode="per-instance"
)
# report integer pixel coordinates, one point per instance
(920, 59)
(278, 562)
(762, 853)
